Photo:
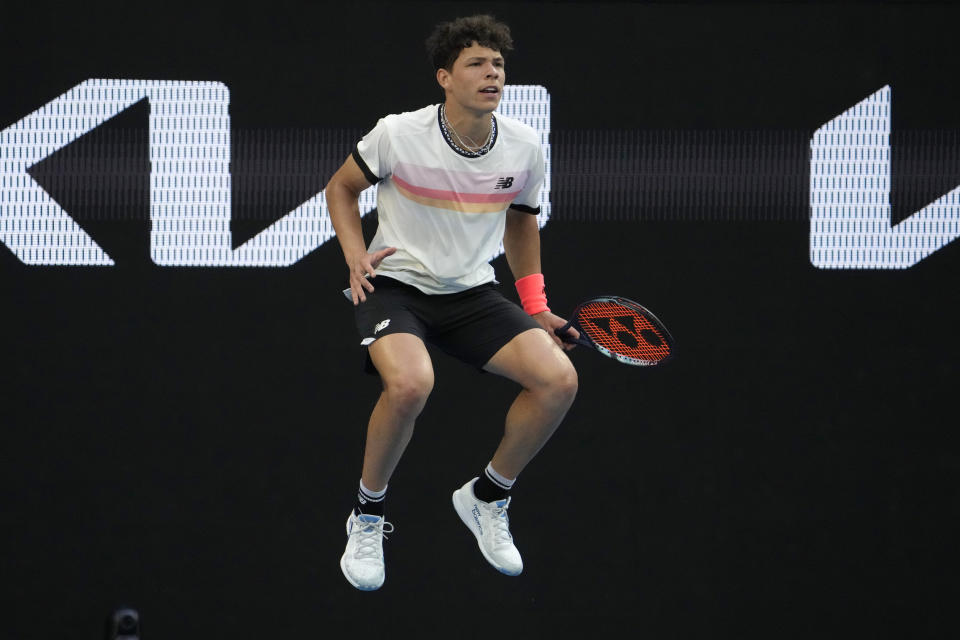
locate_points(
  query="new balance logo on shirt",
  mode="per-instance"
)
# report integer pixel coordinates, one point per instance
(504, 183)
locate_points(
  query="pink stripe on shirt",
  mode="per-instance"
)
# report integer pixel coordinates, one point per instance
(443, 194)
(459, 186)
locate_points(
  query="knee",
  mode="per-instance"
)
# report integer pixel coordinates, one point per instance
(561, 384)
(567, 382)
(408, 392)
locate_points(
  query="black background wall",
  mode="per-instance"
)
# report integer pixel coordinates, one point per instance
(187, 440)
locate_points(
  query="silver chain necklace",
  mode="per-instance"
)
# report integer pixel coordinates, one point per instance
(472, 149)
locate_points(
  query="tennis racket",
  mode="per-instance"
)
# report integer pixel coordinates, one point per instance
(620, 329)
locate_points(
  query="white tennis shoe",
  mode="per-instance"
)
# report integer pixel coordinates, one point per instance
(489, 523)
(362, 561)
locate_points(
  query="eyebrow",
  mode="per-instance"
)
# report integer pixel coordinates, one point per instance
(484, 58)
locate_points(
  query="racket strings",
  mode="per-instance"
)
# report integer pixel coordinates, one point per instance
(624, 331)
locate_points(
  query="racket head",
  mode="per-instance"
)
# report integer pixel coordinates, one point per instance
(624, 330)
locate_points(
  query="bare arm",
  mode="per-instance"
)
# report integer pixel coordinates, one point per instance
(521, 243)
(342, 195)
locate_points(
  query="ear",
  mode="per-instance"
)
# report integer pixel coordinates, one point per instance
(443, 77)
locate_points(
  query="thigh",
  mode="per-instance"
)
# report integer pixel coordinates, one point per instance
(531, 359)
(478, 323)
(402, 358)
(387, 311)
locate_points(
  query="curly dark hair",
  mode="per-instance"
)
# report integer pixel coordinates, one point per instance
(450, 38)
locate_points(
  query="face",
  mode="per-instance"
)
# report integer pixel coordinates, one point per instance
(476, 80)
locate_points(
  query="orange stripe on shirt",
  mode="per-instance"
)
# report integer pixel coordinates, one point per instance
(452, 205)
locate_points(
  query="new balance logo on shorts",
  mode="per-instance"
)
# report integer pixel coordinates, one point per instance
(504, 183)
(380, 326)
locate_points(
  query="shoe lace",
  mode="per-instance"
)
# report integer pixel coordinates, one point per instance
(369, 535)
(500, 521)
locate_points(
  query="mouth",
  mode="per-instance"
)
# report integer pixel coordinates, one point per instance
(490, 90)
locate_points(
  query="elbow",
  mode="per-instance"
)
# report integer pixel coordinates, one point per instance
(339, 188)
(337, 192)
(332, 185)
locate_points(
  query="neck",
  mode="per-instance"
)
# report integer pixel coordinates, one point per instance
(473, 124)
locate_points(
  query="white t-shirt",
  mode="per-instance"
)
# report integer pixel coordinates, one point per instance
(443, 210)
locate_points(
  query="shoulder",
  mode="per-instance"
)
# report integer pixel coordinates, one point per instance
(410, 122)
(517, 130)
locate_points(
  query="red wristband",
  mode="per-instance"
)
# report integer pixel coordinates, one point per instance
(533, 293)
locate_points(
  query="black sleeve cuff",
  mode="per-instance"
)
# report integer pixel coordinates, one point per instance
(525, 209)
(371, 178)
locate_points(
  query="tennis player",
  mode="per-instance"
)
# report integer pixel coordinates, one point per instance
(454, 180)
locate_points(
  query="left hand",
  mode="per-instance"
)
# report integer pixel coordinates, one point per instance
(550, 323)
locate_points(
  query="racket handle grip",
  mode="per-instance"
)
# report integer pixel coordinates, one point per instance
(566, 337)
(562, 334)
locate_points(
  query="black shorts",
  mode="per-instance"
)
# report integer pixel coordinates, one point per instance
(470, 325)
